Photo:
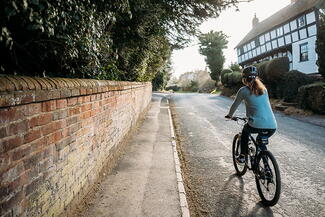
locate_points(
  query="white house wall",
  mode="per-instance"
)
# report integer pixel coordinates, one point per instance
(306, 66)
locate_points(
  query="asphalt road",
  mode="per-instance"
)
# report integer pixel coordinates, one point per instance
(299, 148)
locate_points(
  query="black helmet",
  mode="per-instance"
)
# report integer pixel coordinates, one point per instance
(250, 72)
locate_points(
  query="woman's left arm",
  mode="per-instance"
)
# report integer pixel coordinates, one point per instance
(236, 103)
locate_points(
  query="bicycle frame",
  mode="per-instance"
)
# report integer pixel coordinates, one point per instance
(258, 149)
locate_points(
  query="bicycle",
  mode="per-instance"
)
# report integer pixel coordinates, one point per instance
(262, 163)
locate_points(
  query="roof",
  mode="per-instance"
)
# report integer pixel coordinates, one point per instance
(282, 16)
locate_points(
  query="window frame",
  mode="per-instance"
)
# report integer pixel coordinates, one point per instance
(303, 58)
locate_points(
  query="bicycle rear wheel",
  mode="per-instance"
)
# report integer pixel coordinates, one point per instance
(267, 177)
(240, 168)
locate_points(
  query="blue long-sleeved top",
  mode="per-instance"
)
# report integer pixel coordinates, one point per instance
(258, 109)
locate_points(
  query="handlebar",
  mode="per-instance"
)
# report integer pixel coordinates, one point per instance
(239, 118)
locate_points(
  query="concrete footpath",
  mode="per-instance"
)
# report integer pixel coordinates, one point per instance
(145, 183)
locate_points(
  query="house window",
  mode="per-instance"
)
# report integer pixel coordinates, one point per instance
(253, 44)
(312, 30)
(303, 33)
(268, 46)
(262, 40)
(304, 52)
(311, 17)
(257, 42)
(295, 36)
(286, 28)
(267, 36)
(301, 21)
(280, 31)
(249, 46)
(274, 44)
(281, 41)
(288, 39)
(293, 25)
(273, 34)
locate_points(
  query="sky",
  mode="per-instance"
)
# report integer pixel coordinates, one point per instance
(235, 24)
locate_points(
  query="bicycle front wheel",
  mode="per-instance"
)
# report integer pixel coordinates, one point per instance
(267, 177)
(240, 168)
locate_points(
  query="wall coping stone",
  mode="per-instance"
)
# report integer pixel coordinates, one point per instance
(19, 90)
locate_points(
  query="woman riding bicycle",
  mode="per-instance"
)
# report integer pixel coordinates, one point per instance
(260, 116)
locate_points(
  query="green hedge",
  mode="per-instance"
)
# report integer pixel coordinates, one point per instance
(287, 87)
(230, 79)
(312, 97)
(276, 68)
(224, 77)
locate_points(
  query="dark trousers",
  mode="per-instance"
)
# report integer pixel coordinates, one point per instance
(247, 130)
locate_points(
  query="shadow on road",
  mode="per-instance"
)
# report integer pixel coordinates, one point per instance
(231, 197)
(260, 210)
(232, 203)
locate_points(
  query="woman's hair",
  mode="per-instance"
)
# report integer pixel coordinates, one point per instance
(255, 85)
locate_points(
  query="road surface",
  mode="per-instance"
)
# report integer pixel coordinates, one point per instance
(206, 139)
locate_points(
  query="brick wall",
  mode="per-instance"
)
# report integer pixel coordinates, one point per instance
(56, 135)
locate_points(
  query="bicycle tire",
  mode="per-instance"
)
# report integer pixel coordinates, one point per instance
(268, 175)
(240, 169)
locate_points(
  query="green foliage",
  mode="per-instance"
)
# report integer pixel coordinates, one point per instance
(211, 46)
(276, 68)
(320, 43)
(117, 40)
(162, 77)
(312, 97)
(261, 68)
(289, 85)
(224, 77)
(235, 67)
(272, 72)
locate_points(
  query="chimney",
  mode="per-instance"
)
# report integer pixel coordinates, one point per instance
(255, 20)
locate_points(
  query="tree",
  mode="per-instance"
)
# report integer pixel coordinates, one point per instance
(320, 43)
(211, 46)
(102, 39)
(235, 67)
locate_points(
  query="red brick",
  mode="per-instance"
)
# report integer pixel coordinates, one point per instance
(21, 153)
(16, 199)
(32, 187)
(3, 132)
(86, 107)
(5, 161)
(72, 120)
(10, 114)
(72, 101)
(44, 119)
(86, 115)
(54, 126)
(48, 106)
(11, 187)
(54, 137)
(12, 173)
(93, 97)
(32, 135)
(38, 144)
(86, 99)
(10, 144)
(33, 122)
(18, 128)
(34, 108)
(32, 160)
(61, 103)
